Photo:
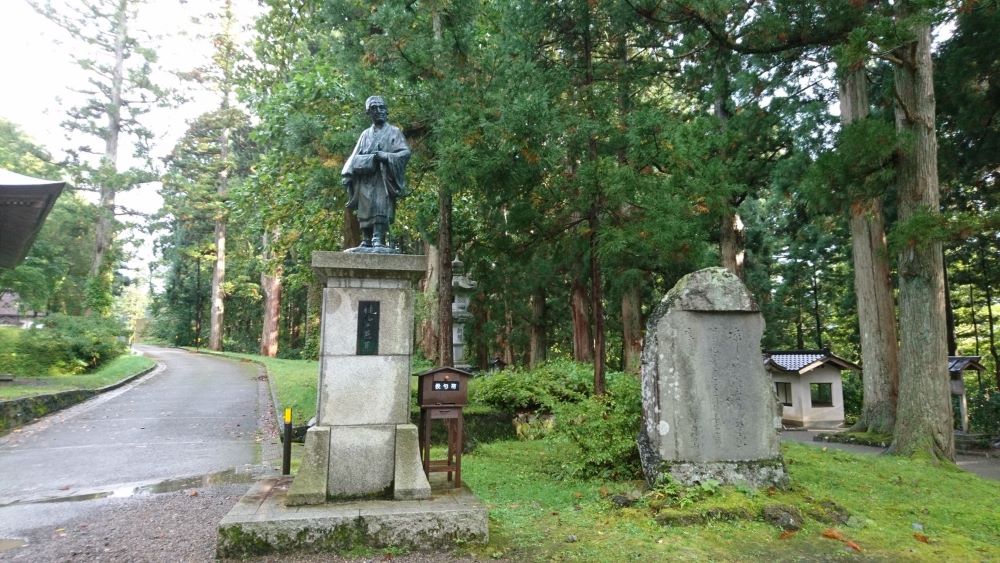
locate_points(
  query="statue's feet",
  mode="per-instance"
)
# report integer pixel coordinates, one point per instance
(365, 244)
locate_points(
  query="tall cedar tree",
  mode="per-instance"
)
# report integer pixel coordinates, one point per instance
(120, 91)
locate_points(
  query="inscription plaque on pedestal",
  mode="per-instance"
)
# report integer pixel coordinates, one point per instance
(368, 328)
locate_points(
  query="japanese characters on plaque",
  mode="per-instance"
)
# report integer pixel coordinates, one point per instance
(368, 328)
(446, 386)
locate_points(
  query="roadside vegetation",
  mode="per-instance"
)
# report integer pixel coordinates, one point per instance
(60, 345)
(570, 487)
(109, 373)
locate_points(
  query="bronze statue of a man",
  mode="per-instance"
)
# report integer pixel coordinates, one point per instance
(374, 176)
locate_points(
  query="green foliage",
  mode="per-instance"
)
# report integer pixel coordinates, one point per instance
(674, 494)
(603, 429)
(108, 373)
(853, 394)
(540, 389)
(67, 345)
(984, 412)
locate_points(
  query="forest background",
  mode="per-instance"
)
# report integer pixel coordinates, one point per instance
(579, 157)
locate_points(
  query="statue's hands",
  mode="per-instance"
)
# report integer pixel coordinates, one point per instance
(381, 156)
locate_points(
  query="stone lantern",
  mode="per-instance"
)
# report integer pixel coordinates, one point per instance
(462, 288)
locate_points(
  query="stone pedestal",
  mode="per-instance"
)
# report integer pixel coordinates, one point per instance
(360, 482)
(363, 444)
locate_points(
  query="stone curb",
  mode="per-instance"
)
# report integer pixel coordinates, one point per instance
(15, 413)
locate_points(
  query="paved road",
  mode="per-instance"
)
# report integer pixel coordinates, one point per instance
(195, 415)
(985, 467)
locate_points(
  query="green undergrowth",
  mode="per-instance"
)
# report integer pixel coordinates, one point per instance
(111, 372)
(890, 508)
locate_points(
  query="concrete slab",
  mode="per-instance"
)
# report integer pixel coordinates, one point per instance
(261, 523)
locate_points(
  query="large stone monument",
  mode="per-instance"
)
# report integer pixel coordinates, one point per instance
(709, 409)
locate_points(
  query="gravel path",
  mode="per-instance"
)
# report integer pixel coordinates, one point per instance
(175, 527)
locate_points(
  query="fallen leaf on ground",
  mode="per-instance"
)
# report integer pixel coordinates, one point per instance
(853, 546)
(921, 538)
(833, 534)
(787, 534)
(193, 493)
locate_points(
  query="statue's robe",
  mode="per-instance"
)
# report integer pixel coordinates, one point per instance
(375, 186)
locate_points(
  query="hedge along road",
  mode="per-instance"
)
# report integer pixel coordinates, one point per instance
(193, 415)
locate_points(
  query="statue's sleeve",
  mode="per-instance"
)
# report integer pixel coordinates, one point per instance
(348, 169)
(395, 167)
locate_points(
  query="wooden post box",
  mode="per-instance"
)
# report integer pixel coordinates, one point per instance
(441, 394)
(443, 386)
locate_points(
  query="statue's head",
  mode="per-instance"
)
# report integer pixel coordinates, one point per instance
(376, 109)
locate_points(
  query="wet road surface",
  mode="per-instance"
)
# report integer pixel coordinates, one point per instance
(192, 419)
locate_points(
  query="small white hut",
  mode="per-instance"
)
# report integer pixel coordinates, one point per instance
(809, 386)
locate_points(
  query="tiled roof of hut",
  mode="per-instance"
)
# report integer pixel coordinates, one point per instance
(962, 363)
(802, 361)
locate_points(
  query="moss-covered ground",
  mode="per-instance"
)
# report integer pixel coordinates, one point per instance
(112, 372)
(855, 507)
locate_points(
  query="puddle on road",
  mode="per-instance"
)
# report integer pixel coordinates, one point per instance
(8, 544)
(228, 477)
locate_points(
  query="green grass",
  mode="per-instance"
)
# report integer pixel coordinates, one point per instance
(112, 372)
(534, 515)
(295, 383)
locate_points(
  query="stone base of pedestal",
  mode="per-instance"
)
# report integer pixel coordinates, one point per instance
(262, 523)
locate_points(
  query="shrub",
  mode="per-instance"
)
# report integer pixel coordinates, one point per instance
(67, 345)
(984, 413)
(540, 389)
(604, 430)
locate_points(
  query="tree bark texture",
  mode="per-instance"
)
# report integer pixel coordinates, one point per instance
(104, 231)
(351, 230)
(583, 346)
(816, 314)
(219, 273)
(427, 335)
(949, 310)
(924, 414)
(537, 345)
(270, 284)
(872, 285)
(731, 242)
(445, 352)
(631, 329)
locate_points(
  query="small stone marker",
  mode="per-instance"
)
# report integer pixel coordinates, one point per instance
(709, 410)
